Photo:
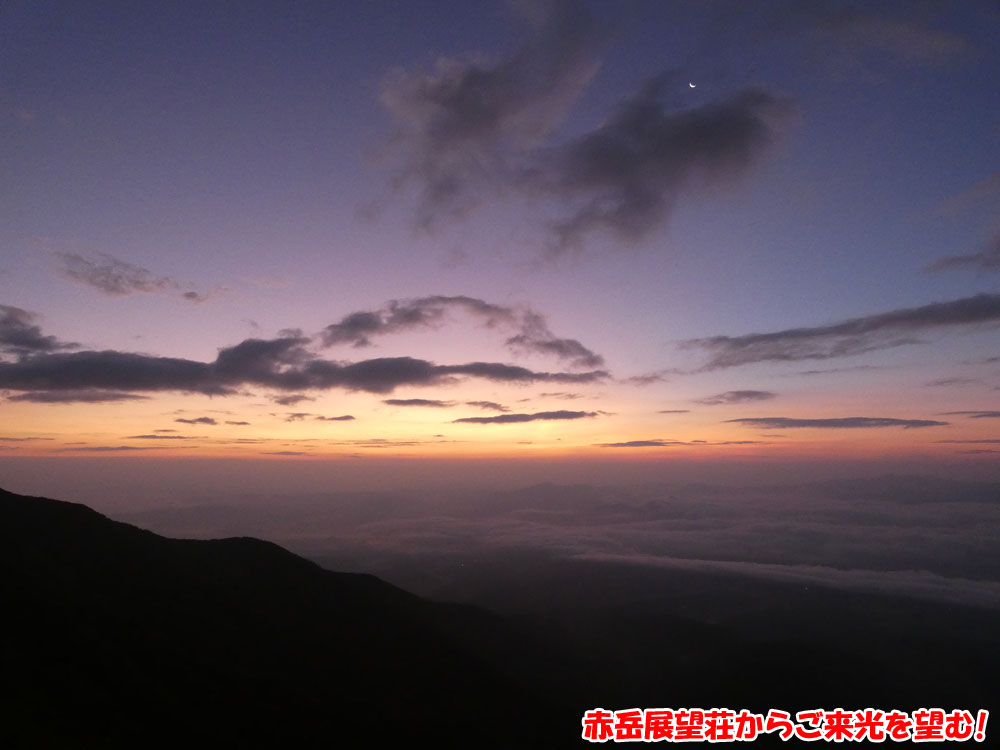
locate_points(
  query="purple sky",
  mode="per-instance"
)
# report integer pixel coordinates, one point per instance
(612, 234)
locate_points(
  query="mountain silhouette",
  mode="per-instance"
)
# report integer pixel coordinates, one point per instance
(115, 636)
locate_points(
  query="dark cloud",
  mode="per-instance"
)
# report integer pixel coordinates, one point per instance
(269, 362)
(283, 364)
(529, 328)
(735, 397)
(515, 374)
(284, 453)
(643, 444)
(20, 336)
(985, 260)
(973, 414)
(465, 125)
(341, 418)
(109, 448)
(541, 415)
(674, 411)
(297, 416)
(291, 399)
(238, 424)
(119, 278)
(112, 276)
(109, 370)
(158, 437)
(675, 443)
(849, 337)
(562, 395)
(164, 430)
(23, 440)
(837, 423)
(470, 132)
(626, 176)
(968, 442)
(74, 397)
(379, 443)
(488, 405)
(832, 370)
(535, 336)
(649, 378)
(419, 402)
(197, 420)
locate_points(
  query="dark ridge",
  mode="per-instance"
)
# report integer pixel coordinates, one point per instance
(114, 636)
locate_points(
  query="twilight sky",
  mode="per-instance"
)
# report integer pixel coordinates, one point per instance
(626, 234)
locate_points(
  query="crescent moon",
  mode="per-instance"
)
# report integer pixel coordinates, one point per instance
(691, 85)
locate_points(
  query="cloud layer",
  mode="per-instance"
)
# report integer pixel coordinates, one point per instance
(464, 125)
(836, 423)
(282, 364)
(21, 336)
(539, 415)
(626, 176)
(849, 337)
(470, 131)
(528, 328)
(735, 397)
(119, 278)
(985, 260)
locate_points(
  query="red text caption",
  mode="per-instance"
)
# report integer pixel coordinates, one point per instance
(837, 725)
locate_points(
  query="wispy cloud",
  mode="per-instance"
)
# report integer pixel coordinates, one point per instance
(291, 399)
(849, 337)
(197, 420)
(528, 330)
(430, 402)
(470, 132)
(676, 443)
(973, 414)
(735, 397)
(905, 37)
(626, 176)
(159, 437)
(488, 405)
(836, 423)
(987, 259)
(540, 415)
(464, 126)
(946, 382)
(970, 442)
(109, 448)
(835, 370)
(85, 396)
(115, 277)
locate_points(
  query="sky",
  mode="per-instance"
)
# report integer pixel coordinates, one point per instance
(372, 244)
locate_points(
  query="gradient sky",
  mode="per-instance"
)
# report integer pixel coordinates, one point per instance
(624, 233)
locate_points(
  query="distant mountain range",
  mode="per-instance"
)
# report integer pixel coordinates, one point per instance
(113, 636)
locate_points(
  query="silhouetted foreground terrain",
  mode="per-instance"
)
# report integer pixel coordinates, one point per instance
(115, 636)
